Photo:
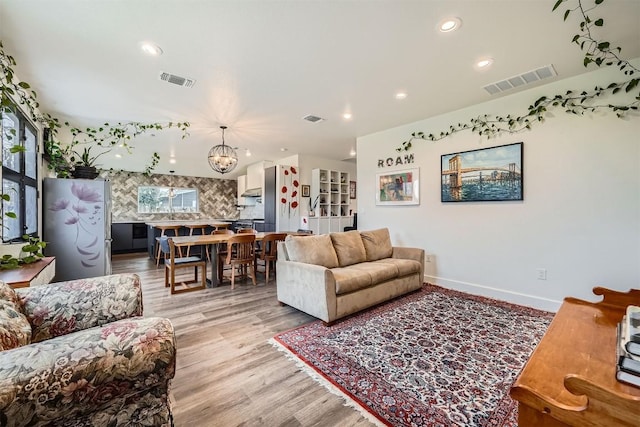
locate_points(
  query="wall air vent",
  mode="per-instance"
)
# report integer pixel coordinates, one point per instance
(313, 119)
(521, 79)
(177, 80)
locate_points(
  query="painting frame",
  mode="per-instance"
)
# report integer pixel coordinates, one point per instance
(352, 190)
(491, 174)
(398, 187)
(306, 190)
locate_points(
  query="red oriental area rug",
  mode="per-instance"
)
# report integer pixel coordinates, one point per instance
(436, 357)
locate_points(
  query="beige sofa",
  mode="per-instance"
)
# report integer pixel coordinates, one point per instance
(330, 276)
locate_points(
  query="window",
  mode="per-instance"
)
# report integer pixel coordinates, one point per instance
(19, 175)
(167, 200)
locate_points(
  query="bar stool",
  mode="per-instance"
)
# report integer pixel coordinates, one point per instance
(164, 229)
(203, 229)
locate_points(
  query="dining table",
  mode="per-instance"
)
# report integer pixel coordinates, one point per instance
(213, 241)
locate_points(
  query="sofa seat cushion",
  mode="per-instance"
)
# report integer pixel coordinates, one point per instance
(15, 330)
(317, 250)
(362, 275)
(377, 244)
(349, 279)
(405, 267)
(349, 248)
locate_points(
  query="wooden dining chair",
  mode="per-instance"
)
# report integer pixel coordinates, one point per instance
(247, 230)
(240, 256)
(223, 231)
(269, 253)
(221, 250)
(173, 263)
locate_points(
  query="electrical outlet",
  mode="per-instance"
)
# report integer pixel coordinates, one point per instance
(542, 273)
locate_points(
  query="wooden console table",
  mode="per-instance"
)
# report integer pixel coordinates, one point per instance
(40, 272)
(570, 378)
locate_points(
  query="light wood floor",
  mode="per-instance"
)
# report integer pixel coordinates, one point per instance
(227, 373)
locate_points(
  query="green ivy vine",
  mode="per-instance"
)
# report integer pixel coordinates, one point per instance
(597, 52)
(61, 157)
(104, 138)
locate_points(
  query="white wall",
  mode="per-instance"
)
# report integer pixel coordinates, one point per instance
(579, 220)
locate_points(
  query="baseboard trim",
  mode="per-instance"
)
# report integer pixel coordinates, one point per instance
(496, 293)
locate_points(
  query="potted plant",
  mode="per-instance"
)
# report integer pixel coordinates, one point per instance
(84, 164)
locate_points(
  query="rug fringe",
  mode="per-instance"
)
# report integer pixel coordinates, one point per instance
(348, 401)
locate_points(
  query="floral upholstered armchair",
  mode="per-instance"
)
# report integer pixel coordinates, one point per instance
(78, 353)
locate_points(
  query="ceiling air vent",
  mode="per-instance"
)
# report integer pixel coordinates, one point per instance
(177, 80)
(521, 79)
(313, 119)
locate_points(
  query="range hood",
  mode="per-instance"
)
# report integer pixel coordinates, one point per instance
(252, 192)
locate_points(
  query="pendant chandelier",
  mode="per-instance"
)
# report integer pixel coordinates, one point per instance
(223, 158)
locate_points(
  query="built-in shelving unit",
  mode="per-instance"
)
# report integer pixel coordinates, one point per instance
(330, 201)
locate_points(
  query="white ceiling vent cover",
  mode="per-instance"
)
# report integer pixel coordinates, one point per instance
(313, 119)
(177, 80)
(521, 79)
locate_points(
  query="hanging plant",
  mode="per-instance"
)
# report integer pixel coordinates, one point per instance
(107, 137)
(597, 52)
(104, 138)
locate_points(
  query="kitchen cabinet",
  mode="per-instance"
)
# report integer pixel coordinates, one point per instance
(269, 199)
(255, 175)
(242, 186)
(128, 237)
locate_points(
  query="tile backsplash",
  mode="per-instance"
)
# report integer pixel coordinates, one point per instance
(217, 196)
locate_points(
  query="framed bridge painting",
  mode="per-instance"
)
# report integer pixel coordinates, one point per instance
(398, 187)
(485, 175)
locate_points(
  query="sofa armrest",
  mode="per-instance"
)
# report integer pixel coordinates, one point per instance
(73, 375)
(307, 287)
(64, 307)
(416, 254)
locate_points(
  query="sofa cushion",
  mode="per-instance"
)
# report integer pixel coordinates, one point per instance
(379, 272)
(362, 275)
(349, 248)
(377, 244)
(405, 266)
(15, 330)
(7, 293)
(317, 250)
(349, 279)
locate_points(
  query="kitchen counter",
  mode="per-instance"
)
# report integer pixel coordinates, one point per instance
(188, 222)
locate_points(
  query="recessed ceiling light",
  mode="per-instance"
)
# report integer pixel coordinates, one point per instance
(347, 116)
(150, 49)
(484, 63)
(172, 160)
(352, 152)
(284, 149)
(449, 24)
(401, 95)
(247, 152)
(118, 156)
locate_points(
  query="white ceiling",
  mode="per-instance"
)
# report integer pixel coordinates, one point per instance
(260, 66)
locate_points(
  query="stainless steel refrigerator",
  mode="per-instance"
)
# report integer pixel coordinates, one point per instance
(77, 226)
